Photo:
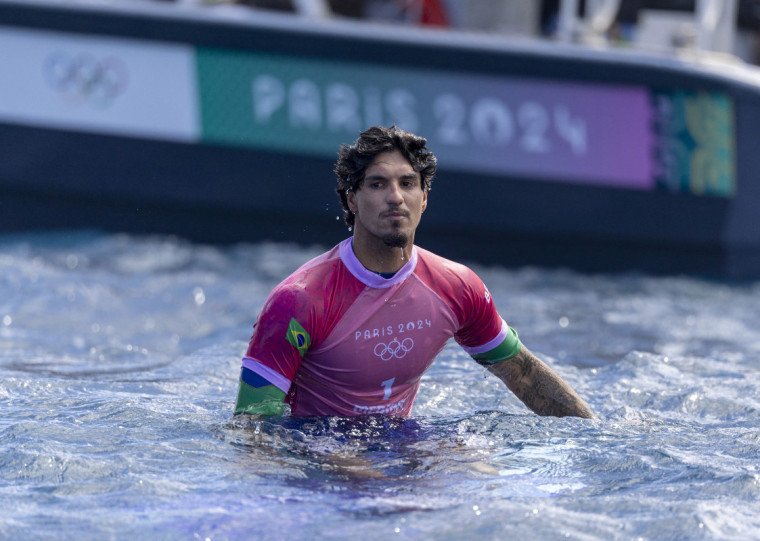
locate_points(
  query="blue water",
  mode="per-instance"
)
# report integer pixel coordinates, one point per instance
(119, 359)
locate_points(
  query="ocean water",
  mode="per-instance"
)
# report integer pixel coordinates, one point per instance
(119, 359)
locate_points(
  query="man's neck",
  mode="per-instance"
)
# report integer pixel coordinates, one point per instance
(374, 255)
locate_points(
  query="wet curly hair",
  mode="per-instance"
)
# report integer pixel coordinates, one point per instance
(354, 159)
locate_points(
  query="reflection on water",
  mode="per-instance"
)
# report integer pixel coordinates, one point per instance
(119, 359)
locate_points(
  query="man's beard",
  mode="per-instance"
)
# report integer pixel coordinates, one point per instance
(396, 240)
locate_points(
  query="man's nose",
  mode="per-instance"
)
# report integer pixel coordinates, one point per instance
(394, 193)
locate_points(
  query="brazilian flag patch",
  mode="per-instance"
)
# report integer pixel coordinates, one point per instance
(298, 336)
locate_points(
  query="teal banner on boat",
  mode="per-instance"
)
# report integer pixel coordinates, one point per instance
(695, 149)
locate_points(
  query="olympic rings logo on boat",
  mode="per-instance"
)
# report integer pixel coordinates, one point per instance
(395, 348)
(83, 78)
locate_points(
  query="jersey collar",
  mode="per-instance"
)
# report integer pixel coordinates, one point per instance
(369, 278)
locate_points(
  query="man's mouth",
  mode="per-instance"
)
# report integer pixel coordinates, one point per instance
(395, 214)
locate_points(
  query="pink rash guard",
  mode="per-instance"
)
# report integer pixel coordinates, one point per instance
(342, 340)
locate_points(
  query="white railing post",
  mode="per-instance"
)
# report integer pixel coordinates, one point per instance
(313, 9)
(568, 20)
(715, 25)
(601, 15)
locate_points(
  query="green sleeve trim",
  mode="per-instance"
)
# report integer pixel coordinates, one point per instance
(267, 400)
(506, 350)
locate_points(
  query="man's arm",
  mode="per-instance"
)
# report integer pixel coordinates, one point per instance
(258, 396)
(539, 387)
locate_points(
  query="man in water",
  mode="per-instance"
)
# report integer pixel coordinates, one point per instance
(352, 331)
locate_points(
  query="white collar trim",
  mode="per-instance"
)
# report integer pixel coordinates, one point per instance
(369, 278)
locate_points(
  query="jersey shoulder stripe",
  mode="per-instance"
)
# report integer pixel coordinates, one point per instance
(266, 373)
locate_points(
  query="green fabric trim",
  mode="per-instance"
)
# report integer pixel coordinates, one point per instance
(267, 400)
(506, 350)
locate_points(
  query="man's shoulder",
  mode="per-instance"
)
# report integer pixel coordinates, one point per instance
(436, 264)
(330, 257)
(455, 283)
(311, 282)
(318, 270)
(314, 295)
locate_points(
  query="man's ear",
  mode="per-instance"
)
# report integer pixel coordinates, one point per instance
(424, 200)
(351, 200)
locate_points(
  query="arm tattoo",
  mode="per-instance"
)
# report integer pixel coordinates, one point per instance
(539, 387)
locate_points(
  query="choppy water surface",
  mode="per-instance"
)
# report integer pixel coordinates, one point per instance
(119, 359)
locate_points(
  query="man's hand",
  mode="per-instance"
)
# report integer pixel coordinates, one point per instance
(539, 387)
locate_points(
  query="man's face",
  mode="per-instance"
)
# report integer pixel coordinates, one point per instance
(390, 200)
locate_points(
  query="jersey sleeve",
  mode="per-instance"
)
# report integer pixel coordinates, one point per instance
(483, 334)
(281, 337)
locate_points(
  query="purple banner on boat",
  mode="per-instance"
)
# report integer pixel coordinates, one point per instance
(583, 134)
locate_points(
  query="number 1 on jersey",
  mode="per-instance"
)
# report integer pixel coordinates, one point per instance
(387, 385)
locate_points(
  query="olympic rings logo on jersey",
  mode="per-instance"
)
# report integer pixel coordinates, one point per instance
(86, 79)
(394, 348)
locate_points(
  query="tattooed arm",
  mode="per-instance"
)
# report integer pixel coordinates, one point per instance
(539, 387)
